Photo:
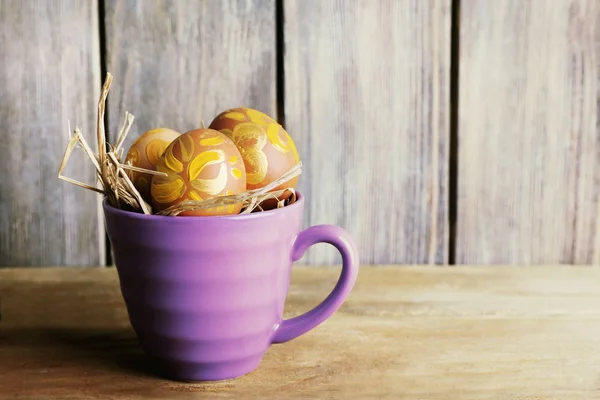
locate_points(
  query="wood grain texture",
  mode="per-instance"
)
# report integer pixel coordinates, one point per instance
(179, 62)
(50, 67)
(367, 102)
(404, 333)
(528, 136)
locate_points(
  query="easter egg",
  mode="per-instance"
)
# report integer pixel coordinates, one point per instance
(267, 149)
(144, 153)
(200, 164)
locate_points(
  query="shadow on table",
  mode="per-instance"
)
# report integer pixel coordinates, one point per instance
(75, 325)
(111, 350)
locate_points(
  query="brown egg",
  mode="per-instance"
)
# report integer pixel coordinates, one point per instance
(200, 164)
(144, 153)
(267, 149)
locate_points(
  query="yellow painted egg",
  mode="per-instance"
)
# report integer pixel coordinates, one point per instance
(267, 149)
(200, 164)
(144, 153)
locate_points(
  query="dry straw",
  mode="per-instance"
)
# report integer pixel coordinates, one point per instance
(120, 191)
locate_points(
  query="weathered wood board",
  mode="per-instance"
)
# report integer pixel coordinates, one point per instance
(366, 97)
(528, 137)
(49, 73)
(178, 63)
(367, 101)
(473, 333)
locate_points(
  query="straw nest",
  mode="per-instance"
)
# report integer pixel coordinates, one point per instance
(119, 190)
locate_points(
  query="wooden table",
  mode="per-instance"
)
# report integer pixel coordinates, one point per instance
(405, 333)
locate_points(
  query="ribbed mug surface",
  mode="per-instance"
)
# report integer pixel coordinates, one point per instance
(205, 295)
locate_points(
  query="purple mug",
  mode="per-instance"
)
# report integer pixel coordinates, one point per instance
(205, 295)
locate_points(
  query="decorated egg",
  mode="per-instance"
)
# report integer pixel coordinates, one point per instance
(267, 149)
(144, 153)
(200, 164)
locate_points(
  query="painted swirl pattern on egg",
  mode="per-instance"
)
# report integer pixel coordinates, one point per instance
(145, 153)
(267, 149)
(250, 141)
(200, 164)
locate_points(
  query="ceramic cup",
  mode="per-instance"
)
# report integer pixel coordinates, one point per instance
(205, 295)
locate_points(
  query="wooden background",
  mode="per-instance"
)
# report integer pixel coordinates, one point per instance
(434, 131)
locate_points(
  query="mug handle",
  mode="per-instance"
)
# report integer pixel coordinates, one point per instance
(339, 238)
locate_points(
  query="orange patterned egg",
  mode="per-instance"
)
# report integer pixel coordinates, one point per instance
(267, 149)
(200, 164)
(144, 153)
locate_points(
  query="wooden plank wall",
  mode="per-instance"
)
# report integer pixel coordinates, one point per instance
(177, 63)
(367, 97)
(529, 145)
(452, 131)
(49, 72)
